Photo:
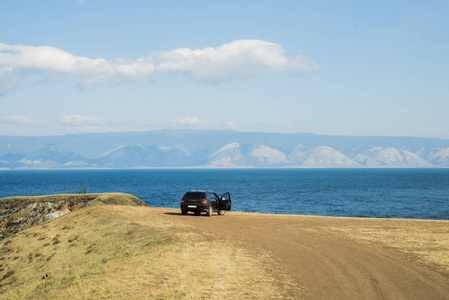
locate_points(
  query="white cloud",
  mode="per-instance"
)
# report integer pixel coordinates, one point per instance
(79, 121)
(87, 70)
(186, 122)
(21, 120)
(231, 126)
(190, 123)
(72, 124)
(74, 120)
(241, 59)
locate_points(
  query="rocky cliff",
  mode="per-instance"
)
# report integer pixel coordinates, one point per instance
(20, 213)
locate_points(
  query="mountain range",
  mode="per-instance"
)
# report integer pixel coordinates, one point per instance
(219, 149)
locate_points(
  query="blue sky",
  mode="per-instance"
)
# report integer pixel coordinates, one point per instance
(328, 67)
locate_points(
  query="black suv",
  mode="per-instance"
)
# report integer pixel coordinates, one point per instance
(205, 201)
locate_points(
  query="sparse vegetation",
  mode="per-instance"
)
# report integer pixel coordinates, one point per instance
(7, 275)
(82, 190)
(73, 238)
(116, 251)
(124, 253)
(72, 199)
(427, 240)
(19, 213)
(56, 240)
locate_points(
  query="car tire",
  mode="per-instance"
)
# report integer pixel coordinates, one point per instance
(184, 212)
(210, 211)
(221, 212)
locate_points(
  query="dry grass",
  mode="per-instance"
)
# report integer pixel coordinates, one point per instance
(426, 240)
(112, 251)
(122, 252)
(105, 198)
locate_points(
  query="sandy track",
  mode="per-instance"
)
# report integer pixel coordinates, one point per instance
(322, 263)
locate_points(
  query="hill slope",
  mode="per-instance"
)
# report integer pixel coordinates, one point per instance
(126, 252)
(20, 213)
(115, 251)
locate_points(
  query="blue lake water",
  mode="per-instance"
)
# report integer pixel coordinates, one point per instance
(377, 193)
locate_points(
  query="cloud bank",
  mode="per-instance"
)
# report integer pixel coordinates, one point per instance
(238, 60)
(80, 121)
(23, 125)
(72, 120)
(21, 120)
(74, 124)
(190, 123)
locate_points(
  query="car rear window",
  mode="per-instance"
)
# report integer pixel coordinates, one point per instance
(194, 196)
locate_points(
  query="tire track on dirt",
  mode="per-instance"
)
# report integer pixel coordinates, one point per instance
(326, 265)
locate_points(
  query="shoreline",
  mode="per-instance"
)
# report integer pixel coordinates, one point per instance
(243, 212)
(237, 168)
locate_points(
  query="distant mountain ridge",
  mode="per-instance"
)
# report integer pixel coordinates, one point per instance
(220, 149)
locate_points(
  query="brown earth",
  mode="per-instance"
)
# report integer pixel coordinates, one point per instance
(137, 252)
(340, 258)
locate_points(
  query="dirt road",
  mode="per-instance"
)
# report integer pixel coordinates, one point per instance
(323, 262)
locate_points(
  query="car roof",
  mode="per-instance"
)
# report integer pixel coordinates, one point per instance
(201, 191)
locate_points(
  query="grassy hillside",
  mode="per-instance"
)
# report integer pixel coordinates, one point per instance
(20, 213)
(137, 252)
(122, 252)
(72, 199)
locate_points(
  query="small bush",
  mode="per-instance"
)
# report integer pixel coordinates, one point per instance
(73, 238)
(82, 190)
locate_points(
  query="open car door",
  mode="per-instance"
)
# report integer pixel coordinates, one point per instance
(225, 202)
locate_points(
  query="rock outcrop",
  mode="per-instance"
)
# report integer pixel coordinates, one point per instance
(20, 213)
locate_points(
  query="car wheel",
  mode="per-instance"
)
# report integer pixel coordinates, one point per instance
(209, 211)
(221, 212)
(184, 212)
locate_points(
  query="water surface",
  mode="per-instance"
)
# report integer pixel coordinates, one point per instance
(377, 193)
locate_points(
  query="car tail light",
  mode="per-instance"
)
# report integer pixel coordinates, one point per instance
(182, 200)
(204, 201)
